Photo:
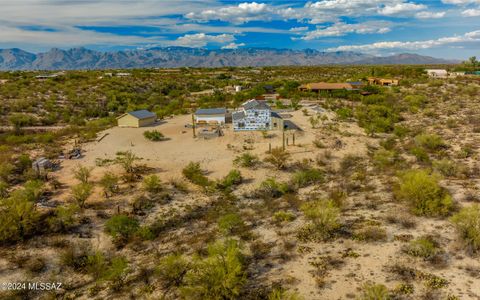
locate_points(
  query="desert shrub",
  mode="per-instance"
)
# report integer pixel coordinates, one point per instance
(466, 152)
(324, 217)
(172, 268)
(154, 135)
(415, 102)
(18, 218)
(109, 183)
(246, 160)
(220, 275)
(303, 178)
(384, 158)
(283, 216)
(194, 173)
(233, 178)
(116, 273)
(32, 191)
(96, 264)
(424, 194)
(76, 256)
(374, 292)
(81, 192)
(370, 233)
(63, 218)
(318, 143)
(344, 113)
(230, 224)
(420, 154)
(467, 223)
(152, 184)
(3, 189)
(350, 163)
(425, 247)
(445, 167)
(430, 142)
(121, 227)
(278, 158)
(270, 188)
(404, 289)
(401, 131)
(376, 117)
(82, 173)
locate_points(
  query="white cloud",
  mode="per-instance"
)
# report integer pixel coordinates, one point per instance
(473, 36)
(471, 12)
(233, 46)
(460, 2)
(242, 13)
(340, 29)
(430, 15)
(400, 8)
(199, 40)
(299, 29)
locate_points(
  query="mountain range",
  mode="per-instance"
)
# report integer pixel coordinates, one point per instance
(169, 57)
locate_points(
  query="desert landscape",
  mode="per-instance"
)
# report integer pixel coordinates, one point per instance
(372, 195)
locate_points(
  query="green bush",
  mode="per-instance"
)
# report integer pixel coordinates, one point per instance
(344, 113)
(445, 167)
(420, 154)
(81, 192)
(467, 223)
(152, 184)
(194, 173)
(283, 216)
(424, 194)
(430, 142)
(172, 268)
(415, 102)
(18, 218)
(278, 158)
(121, 227)
(374, 292)
(233, 178)
(370, 233)
(425, 247)
(230, 224)
(325, 218)
(220, 275)
(270, 188)
(384, 158)
(246, 160)
(154, 135)
(307, 177)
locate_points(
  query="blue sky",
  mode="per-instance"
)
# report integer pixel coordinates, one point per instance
(442, 28)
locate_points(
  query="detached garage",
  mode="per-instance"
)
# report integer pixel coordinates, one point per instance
(139, 118)
(210, 116)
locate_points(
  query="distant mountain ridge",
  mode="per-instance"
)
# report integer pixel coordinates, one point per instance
(170, 57)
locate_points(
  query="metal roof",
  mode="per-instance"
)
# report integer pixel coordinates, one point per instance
(276, 115)
(142, 114)
(250, 104)
(211, 111)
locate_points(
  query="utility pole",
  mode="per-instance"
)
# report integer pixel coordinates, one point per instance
(193, 126)
(293, 137)
(283, 138)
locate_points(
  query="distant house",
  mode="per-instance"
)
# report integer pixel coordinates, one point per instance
(382, 81)
(325, 86)
(210, 116)
(256, 115)
(139, 118)
(356, 84)
(3, 81)
(41, 164)
(437, 73)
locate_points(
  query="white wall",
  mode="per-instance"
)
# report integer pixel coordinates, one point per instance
(219, 119)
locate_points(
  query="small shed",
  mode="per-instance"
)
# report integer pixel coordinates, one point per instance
(138, 118)
(210, 116)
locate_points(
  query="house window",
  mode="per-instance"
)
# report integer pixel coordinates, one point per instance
(241, 124)
(267, 124)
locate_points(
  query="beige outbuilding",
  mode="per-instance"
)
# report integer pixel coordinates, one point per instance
(139, 118)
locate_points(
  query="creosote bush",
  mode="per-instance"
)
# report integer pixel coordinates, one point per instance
(324, 217)
(172, 268)
(154, 135)
(220, 275)
(374, 292)
(247, 160)
(467, 223)
(430, 142)
(307, 177)
(425, 247)
(121, 227)
(278, 158)
(424, 194)
(195, 174)
(152, 184)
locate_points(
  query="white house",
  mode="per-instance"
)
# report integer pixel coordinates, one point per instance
(253, 115)
(210, 116)
(437, 73)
